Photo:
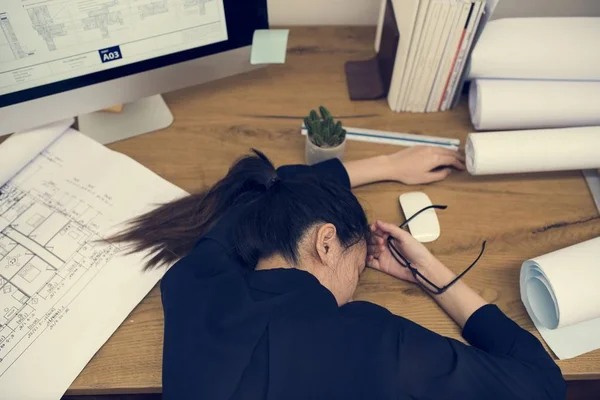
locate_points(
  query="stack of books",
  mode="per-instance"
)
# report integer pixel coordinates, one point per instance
(435, 39)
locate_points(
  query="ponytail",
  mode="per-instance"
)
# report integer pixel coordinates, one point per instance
(171, 231)
(275, 216)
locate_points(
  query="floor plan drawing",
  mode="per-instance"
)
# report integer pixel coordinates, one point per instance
(46, 25)
(154, 8)
(10, 47)
(101, 17)
(47, 249)
(64, 289)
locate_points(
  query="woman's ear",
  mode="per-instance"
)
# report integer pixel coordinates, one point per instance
(326, 239)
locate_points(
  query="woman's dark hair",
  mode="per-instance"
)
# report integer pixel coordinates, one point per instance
(275, 212)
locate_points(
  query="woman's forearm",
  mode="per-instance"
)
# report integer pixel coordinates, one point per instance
(459, 301)
(368, 170)
(411, 166)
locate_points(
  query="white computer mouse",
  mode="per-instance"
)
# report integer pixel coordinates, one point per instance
(425, 227)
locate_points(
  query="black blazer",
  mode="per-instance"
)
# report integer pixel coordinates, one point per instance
(235, 333)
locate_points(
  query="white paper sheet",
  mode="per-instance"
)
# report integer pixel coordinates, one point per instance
(522, 104)
(506, 152)
(19, 149)
(560, 292)
(62, 292)
(538, 48)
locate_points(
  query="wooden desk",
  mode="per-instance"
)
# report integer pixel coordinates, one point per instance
(519, 216)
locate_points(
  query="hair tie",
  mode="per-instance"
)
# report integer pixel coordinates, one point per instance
(272, 181)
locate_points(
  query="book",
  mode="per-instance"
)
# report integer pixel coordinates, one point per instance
(433, 17)
(463, 53)
(414, 46)
(433, 63)
(449, 56)
(455, 74)
(487, 11)
(405, 21)
(423, 48)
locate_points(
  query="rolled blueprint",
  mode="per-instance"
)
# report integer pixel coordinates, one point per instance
(507, 152)
(527, 104)
(21, 148)
(538, 48)
(560, 292)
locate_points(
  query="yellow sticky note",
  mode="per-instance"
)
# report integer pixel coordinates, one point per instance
(269, 46)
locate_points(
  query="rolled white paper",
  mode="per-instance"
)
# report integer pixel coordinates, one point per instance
(527, 104)
(562, 287)
(538, 48)
(561, 294)
(540, 150)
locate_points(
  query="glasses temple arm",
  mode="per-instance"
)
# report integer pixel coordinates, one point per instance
(443, 289)
(439, 207)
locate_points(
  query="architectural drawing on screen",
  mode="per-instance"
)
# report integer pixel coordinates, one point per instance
(11, 48)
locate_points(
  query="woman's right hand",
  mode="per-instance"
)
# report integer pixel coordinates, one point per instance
(380, 258)
(460, 302)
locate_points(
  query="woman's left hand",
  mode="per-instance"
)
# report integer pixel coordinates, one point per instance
(423, 164)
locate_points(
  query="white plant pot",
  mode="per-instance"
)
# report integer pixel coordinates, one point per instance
(315, 154)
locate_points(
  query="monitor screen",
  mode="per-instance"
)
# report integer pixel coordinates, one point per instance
(51, 46)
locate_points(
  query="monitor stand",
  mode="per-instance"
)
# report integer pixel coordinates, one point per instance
(143, 116)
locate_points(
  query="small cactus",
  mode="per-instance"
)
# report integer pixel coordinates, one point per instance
(323, 131)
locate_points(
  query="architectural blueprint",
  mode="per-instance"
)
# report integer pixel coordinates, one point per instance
(63, 289)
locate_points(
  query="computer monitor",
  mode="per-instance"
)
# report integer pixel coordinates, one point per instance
(65, 58)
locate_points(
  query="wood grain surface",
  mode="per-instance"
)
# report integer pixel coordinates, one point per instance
(520, 216)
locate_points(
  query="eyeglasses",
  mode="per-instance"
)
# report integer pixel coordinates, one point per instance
(422, 280)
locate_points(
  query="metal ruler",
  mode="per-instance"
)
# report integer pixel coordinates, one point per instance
(592, 176)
